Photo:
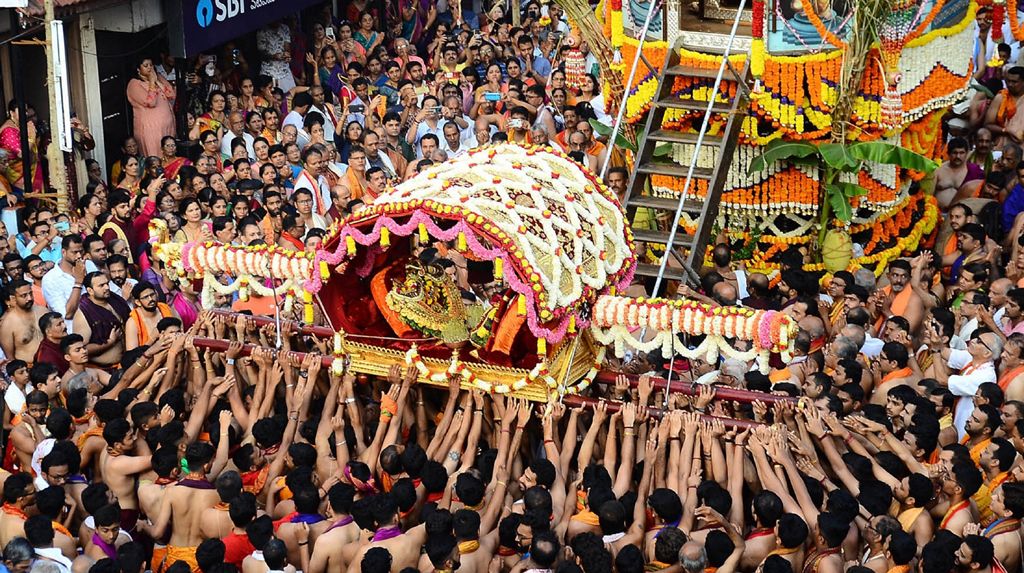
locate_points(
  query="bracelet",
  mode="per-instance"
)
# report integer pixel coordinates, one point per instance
(350, 400)
(676, 438)
(629, 427)
(478, 411)
(301, 543)
(223, 435)
(691, 487)
(885, 434)
(821, 437)
(231, 361)
(727, 440)
(519, 428)
(289, 385)
(78, 285)
(504, 430)
(549, 441)
(341, 443)
(502, 484)
(293, 418)
(417, 403)
(629, 433)
(848, 438)
(777, 465)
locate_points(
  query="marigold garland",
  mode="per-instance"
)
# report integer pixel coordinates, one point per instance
(823, 31)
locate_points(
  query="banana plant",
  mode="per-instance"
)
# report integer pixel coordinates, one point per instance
(835, 159)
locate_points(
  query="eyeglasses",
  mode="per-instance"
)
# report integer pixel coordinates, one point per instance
(981, 342)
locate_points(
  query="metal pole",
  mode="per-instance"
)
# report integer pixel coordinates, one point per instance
(625, 95)
(54, 155)
(696, 150)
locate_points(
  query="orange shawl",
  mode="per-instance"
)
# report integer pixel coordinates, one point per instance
(1008, 376)
(899, 304)
(897, 374)
(976, 450)
(1007, 109)
(586, 516)
(953, 511)
(354, 186)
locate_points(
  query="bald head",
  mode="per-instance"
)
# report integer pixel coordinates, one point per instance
(854, 333)
(757, 283)
(725, 294)
(813, 326)
(693, 557)
(997, 292)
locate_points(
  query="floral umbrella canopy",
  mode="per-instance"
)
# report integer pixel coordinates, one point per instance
(554, 232)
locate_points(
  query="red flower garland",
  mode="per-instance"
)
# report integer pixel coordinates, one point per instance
(757, 19)
(998, 14)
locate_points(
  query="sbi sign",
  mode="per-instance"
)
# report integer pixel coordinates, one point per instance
(225, 9)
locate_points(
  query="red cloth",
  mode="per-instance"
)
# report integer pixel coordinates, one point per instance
(50, 352)
(141, 224)
(237, 548)
(128, 228)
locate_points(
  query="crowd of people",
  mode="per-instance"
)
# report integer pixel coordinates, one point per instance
(890, 443)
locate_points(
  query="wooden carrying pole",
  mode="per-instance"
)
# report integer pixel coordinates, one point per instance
(603, 377)
(570, 400)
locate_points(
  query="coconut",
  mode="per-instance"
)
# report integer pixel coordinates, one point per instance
(837, 250)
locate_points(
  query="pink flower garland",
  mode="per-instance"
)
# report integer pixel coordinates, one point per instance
(418, 217)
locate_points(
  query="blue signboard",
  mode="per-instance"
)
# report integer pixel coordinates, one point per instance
(197, 25)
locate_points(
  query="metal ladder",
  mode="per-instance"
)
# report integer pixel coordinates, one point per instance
(639, 189)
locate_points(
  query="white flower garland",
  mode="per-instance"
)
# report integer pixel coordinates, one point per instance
(245, 283)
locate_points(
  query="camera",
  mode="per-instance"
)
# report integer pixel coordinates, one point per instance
(357, 108)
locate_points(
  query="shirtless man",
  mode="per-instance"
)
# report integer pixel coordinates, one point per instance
(953, 174)
(891, 370)
(766, 507)
(1005, 127)
(342, 531)
(1008, 504)
(74, 349)
(216, 522)
(27, 434)
(19, 495)
(307, 523)
(19, 332)
(404, 549)
(183, 506)
(148, 311)
(104, 308)
(121, 470)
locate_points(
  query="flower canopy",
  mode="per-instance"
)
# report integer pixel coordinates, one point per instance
(556, 234)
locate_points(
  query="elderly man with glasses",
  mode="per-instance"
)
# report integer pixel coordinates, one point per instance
(962, 371)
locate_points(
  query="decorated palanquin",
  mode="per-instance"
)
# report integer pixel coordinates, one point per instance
(921, 66)
(529, 221)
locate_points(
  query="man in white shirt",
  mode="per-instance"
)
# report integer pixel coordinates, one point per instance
(62, 285)
(972, 303)
(120, 283)
(236, 128)
(962, 371)
(453, 144)
(373, 145)
(325, 109)
(300, 106)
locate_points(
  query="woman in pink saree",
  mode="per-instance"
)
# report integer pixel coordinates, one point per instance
(10, 140)
(152, 99)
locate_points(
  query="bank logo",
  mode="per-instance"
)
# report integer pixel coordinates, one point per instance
(204, 13)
